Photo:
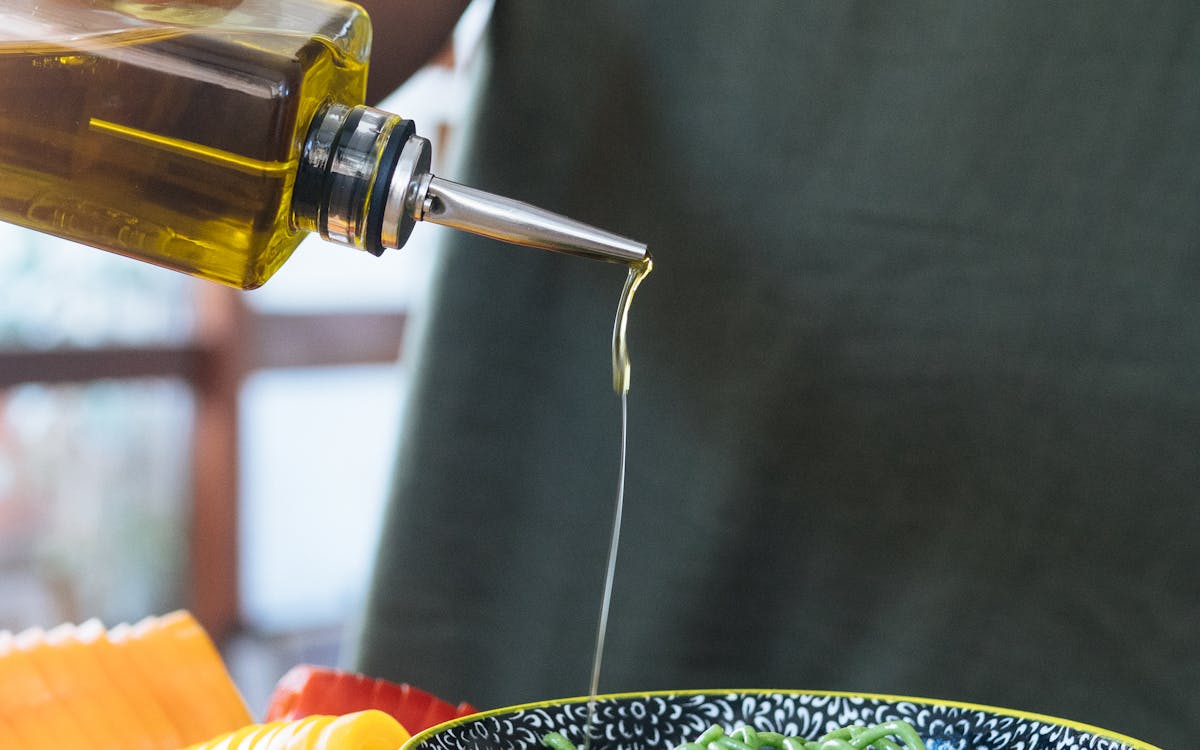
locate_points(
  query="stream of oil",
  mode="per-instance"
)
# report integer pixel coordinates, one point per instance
(621, 369)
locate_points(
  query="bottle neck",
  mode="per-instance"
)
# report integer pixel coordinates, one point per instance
(347, 165)
(364, 181)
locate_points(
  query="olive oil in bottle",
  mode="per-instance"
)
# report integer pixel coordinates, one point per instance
(170, 133)
(210, 136)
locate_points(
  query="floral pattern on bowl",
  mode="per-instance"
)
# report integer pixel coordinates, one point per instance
(663, 720)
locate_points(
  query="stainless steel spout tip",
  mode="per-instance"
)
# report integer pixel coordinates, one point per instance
(416, 195)
(453, 205)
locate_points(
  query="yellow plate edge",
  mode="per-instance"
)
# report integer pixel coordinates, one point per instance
(1044, 718)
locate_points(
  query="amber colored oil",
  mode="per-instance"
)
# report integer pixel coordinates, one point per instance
(620, 348)
(621, 380)
(171, 143)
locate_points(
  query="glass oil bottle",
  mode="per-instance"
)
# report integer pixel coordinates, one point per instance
(210, 136)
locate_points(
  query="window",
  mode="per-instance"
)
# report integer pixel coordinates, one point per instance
(166, 442)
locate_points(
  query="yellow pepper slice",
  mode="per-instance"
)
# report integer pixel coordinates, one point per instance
(281, 738)
(308, 731)
(364, 730)
(262, 739)
(233, 740)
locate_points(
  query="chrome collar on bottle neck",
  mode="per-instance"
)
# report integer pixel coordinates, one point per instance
(364, 181)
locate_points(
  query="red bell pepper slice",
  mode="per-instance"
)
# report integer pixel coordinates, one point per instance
(308, 690)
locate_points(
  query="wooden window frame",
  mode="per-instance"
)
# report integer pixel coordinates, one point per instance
(230, 342)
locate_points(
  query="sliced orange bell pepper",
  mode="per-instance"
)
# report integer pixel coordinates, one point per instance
(85, 691)
(168, 686)
(30, 706)
(114, 666)
(182, 629)
(175, 658)
(8, 735)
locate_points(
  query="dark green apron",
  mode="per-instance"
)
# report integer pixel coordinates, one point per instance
(916, 383)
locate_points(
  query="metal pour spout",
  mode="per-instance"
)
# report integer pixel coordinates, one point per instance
(416, 195)
(461, 207)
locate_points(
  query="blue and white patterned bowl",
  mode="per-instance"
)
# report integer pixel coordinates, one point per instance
(663, 720)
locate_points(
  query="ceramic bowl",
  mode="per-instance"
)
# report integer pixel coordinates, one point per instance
(663, 720)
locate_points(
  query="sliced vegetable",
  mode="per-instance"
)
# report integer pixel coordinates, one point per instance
(307, 690)
(264, 737)
(362, 730)
(282, 737)
(181, 667)
(233, 740)
(160, 684)
(171, 687)
(8, 735)
(152, 720)
(305, 735)
(30, 705)
(81, 691)
(181, 629)
(154, 686)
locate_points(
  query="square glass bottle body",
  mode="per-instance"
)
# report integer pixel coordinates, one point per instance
(172, 132)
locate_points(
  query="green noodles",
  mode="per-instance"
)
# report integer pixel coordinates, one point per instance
(877, 737)
(556, 741)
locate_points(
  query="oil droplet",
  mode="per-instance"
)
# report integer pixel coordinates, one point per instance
(620, 347)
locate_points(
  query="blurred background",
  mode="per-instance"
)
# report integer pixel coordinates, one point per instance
(169, 443)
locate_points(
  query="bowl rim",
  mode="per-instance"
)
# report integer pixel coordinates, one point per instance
(1107, 734)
